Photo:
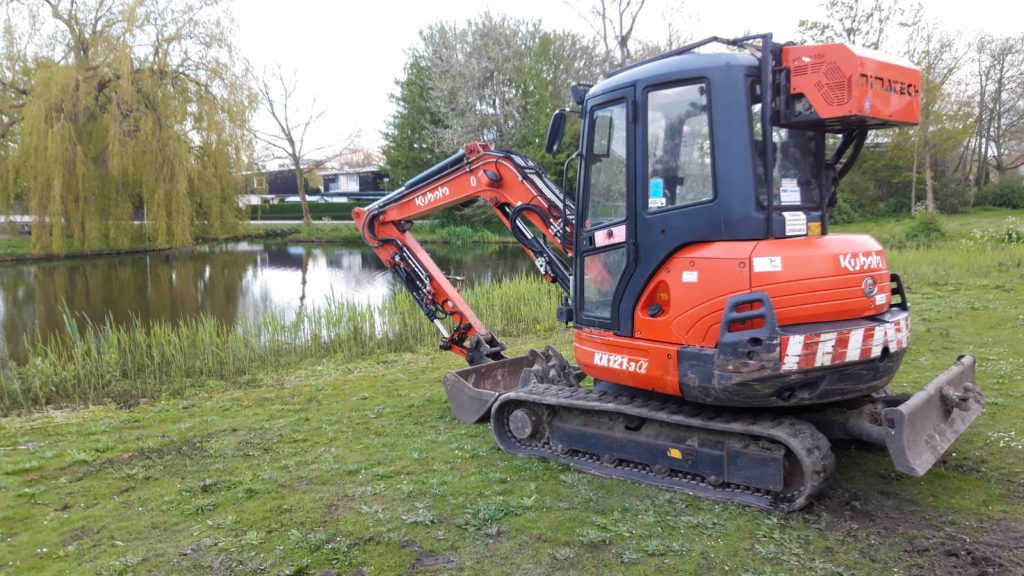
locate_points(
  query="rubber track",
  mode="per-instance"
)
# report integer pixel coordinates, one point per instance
(810, 447)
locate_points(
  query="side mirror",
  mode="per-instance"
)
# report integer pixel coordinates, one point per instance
(556, 130)
(579, 93)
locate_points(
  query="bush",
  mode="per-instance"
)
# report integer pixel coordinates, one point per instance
(293, 211)
(459, 234)
(466, 235)
(1014, 233)
(473, 214)
(925, 231)
(952, 195)
(865, 198)
(842, 212)
(1006, 193)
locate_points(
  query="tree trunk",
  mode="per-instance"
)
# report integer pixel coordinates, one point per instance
(300, 181)
(928, 185)
(913, 176)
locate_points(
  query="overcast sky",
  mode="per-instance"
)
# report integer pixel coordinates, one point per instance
(347, 54)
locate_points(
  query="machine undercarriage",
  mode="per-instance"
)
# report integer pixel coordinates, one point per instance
(777, 460)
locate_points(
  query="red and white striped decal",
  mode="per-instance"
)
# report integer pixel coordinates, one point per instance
(803, 351)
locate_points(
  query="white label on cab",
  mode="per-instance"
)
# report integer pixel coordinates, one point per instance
(768, 264)
(796, 223)
(789, 192)
(690, 276)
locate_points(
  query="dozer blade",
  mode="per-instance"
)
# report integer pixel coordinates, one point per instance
(471, 391)
(918, 431)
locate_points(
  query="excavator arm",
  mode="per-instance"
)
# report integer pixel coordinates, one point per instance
(518, 192)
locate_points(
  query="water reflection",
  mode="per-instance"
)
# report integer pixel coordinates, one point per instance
(229, 282)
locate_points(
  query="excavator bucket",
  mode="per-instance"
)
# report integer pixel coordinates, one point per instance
(471, 391)
(918, 431)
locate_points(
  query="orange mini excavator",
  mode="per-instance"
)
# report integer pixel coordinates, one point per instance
(728, 335)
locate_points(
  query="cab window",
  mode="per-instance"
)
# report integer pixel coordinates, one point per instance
(606, 166)
(679, 159)
(799, 162)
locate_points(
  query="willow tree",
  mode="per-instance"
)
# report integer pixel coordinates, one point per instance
(123, 105)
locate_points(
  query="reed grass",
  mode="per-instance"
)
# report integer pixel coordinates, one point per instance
(125, 364)
(95, 363)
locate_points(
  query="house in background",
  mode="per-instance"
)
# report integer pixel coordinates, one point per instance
(353, 184)
(338, 185)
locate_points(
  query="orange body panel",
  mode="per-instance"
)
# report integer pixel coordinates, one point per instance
(642, 364)
(843, 81)
(809, 279)
(698, 281)
(822, 277)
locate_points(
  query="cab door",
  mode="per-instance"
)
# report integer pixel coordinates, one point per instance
(605, 235)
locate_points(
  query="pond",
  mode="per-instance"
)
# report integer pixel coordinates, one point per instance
(230, 282)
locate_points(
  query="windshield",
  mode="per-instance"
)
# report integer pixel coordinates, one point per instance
(799, 162)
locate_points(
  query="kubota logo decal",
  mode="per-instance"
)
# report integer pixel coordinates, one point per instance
(432, 196)
(619, 362)
(860, 261)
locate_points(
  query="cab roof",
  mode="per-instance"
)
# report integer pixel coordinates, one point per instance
(691, 64)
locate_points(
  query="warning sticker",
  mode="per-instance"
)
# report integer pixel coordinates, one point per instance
(789, 192)
(690, 276)
(796, 223)
(768, 264)
(656, 193)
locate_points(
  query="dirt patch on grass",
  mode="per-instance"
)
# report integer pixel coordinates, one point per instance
(256, 443)
(79, 535)
(193, 448)
(428, 561)
(997, 551)
(338, 508)
(934, 543)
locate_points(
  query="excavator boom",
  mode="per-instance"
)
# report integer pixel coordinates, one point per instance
(522, 197)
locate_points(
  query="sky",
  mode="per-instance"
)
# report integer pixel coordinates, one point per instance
(347, 54)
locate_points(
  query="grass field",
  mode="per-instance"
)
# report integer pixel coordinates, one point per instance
(345, 465)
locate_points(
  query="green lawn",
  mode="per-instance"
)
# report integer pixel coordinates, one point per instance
(357, 467)
(15, 246)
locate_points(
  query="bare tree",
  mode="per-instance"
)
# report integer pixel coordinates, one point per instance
(940, 55)
(865, 23)
(278, 95)
(1000, 123)
(613, 22)
(357, 157)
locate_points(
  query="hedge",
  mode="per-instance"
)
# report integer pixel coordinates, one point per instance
(293, 211)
